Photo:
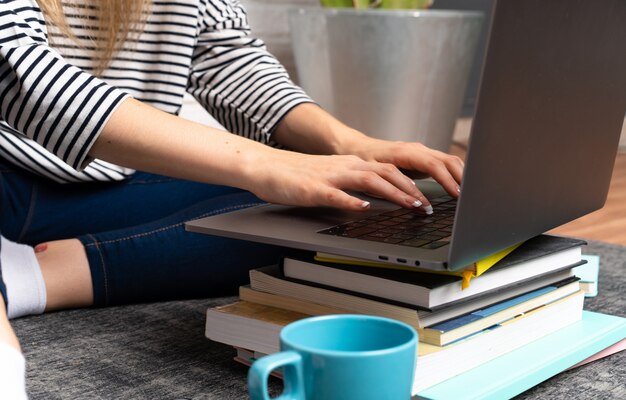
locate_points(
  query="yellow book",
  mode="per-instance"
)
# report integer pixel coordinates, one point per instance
(471, 271)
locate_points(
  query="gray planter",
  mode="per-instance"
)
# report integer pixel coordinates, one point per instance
(397, 75)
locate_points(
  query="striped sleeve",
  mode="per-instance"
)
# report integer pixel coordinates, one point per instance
(50, 101)
(235, 78)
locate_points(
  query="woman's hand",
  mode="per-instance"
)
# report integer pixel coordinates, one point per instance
(416, 160)
(140, 137)
(311, 180)
(310, 129)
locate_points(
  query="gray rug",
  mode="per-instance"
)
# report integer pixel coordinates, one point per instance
(158, 351)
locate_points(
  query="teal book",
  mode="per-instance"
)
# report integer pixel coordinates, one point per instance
(534, 362)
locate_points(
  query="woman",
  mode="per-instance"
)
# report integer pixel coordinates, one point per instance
(11, 361)
(89, 93)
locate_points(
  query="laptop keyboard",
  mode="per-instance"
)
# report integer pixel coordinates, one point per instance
(405, 227)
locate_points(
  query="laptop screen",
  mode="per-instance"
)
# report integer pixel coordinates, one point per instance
(550, 109)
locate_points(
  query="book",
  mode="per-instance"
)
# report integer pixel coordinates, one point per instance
(256, 327)
(588, 274)
(442, 333)
(534, 362)
(537, 256)
(247, 357)
(246, 293)
(615, 348)
(460, 327)
(270, 280)
(471, 271)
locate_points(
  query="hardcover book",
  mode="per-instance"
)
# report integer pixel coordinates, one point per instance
(439, 334)
(269, 280)
(513, 373)
(538, 256)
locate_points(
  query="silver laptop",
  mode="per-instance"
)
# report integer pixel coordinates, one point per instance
(550, 110)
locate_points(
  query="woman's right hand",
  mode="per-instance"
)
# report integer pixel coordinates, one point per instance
(311, 180)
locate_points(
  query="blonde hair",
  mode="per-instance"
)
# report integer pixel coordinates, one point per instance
(115, 20)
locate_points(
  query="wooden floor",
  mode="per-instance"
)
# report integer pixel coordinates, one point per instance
(607, 224)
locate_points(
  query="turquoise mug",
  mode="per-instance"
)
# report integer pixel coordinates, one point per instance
(347, 357)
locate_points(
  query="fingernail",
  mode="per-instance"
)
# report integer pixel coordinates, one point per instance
(458, 189)
(428, 209)
(413, 182)
(417, 203)
(365, 204)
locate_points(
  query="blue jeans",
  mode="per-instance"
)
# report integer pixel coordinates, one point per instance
(133, 233)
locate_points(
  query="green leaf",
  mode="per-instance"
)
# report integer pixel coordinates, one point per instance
(405, 4)
(345, 3)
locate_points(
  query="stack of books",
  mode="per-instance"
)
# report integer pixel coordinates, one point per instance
(527, 295)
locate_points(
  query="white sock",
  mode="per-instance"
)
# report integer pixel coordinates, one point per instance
(26, 289)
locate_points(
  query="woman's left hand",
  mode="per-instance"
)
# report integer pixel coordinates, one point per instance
(415, 159)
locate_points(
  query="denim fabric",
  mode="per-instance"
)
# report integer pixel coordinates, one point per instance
(133, 233)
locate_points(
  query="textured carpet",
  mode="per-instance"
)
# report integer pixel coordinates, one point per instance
(158, 351)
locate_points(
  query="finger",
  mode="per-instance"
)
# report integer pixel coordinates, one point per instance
(393, 175)
(439, 171)
(371, 182)
(455, 166)
(447, 170)
(339, 199)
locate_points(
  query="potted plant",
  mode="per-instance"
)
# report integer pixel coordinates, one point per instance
(389, 68)
(383, 4)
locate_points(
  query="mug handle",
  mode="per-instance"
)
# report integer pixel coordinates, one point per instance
(293, 377)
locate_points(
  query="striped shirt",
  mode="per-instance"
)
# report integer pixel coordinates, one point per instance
(52, 108)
